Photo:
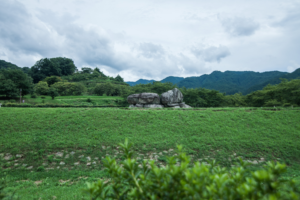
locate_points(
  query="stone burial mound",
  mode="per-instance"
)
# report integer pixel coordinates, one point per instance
(172, 98)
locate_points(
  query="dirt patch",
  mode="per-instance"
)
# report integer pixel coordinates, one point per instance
(38, 182)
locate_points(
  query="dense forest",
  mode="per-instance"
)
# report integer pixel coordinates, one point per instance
(60, 76)
(229, 82)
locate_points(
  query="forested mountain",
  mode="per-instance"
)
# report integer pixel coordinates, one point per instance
(7, 65)
(172, 79)
(276, 80)
(140, 81)
(230, 82)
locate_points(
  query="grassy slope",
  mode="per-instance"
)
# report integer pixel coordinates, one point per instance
(38, 133)
(233, 129)
(71, 100)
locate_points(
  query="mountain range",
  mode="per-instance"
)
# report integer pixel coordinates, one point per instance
(172, 79)
(229, 82)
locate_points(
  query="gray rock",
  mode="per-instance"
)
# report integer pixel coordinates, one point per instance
(133, 99)
(131, 106)
(59, 154)
(183, 105)
(176, 107)
(149, 98)
(139, 105)
(172, 96)
(7, 157)
(172, 104)
(153, 106)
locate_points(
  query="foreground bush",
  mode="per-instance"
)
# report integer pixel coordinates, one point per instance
(181, 180)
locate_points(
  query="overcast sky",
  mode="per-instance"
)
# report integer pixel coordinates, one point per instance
(153, 39)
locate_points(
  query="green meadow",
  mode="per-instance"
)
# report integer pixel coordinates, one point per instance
(86, 100)
(49, 153)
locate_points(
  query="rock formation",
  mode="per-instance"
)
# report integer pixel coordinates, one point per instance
(172, 98)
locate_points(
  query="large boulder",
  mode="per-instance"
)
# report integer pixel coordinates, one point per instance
(133, 99)
(183, 105)
(172, 96)
(172, 104)
(153, 106)
(149, 98)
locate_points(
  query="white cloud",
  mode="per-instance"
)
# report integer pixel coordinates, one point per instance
(212, 53)
(152, 39)
(239, 26)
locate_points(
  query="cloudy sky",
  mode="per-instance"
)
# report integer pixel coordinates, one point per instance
(154, 39)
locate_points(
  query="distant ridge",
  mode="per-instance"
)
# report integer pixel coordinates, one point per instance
(172, 79)
(295, 74)
(229, 82)
(140, 81)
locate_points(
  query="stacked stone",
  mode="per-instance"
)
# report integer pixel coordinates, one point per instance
(172, 98)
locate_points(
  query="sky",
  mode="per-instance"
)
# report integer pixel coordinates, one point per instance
(153, 39)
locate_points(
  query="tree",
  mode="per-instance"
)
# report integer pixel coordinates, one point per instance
(7, 65)
(119, 79)
(66, 65)
(86, 70)
(282, 93)
(100, 89)
(76, 88)
(26, 70)
(52, 92)
(41, 88)
(12, 80)
(43, 68)
(52, 79)
(66, 88)
(52, 67)
(7, 87)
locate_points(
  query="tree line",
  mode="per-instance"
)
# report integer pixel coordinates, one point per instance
(59, 76)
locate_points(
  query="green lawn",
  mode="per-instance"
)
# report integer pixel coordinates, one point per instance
(68, 143)
(71, 100)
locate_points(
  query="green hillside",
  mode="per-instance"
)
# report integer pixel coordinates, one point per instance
(276, 80)
(229, 82)
(7, 65)
(47, 152)
(172, 79)
(140, 81)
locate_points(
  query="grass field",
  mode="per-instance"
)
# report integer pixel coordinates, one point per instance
(48, 152)
(70, 100)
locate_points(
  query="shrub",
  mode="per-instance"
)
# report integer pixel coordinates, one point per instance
(17, 105)
(41, 169)
(33, 96)
(272, 103)
(287, 105)
(41, 88)
(89, 100)
(52, 92)
(180, 181)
